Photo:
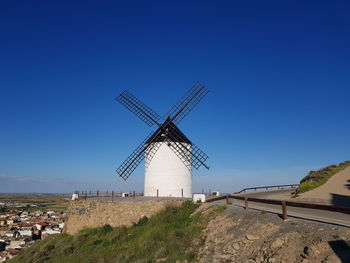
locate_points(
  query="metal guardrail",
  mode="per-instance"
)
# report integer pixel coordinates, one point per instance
(282, 186)
(84, 195)
(283, 203)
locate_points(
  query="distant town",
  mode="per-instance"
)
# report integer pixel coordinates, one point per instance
(22, 224)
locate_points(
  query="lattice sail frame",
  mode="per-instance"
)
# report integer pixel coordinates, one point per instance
(141, 110)
(134, 159)
(186, 104)
(190, 156)
(197, 156)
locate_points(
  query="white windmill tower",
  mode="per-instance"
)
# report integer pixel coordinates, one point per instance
(168, 153)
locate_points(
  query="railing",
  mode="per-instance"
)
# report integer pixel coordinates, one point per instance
(283, 186)
(84, 195)
(283, 203)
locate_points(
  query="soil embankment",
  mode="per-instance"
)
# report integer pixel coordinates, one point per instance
(255, 237)
(84, 214)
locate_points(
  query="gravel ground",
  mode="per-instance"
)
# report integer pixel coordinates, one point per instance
(235, 235)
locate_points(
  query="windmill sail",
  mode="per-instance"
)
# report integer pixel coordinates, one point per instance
(187, 103)
(134, 159)
(167, 132)
(141, 110)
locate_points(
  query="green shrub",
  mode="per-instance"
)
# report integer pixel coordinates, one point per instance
(221, 208)
(143, 221)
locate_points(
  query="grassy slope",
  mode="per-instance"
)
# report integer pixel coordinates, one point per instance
(167, 235)
(316, 178)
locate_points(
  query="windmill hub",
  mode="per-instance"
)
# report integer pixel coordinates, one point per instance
(169, 155)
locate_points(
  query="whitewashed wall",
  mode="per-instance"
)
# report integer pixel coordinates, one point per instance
(167, 173)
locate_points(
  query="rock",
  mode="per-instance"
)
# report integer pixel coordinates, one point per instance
(159, 260)
(258, 260)
(311, 252)
(272, 260)
(277, 243)
(251, 237)
(230, 250)
(224, 257)
(236, 246)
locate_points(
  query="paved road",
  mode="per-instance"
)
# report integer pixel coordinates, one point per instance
(268, 194)
(304, 213)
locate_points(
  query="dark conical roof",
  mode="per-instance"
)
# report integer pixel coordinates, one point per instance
(171, 127)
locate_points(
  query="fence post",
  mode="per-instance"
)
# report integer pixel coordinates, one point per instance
(246, 203)
(157, 193)
(112, 196)
(182, 193)
(284, 210)
(227, 199)
(134, 194)
(97, 194)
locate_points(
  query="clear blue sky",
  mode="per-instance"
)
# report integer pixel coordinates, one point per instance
(278, 72)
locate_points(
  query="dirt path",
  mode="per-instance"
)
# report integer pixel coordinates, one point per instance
(336, 191)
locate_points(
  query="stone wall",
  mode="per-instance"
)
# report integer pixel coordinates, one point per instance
(84, 214)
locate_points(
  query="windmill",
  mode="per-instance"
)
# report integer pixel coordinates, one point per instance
(169, 155)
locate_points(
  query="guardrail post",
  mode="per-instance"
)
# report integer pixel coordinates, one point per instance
(246, 203)
(284, 210)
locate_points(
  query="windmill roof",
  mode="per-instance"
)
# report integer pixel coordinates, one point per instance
(171, 127)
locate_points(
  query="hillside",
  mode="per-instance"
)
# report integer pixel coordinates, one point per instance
(215, 233)
(335, 191)
(165, 237)
(317, 178)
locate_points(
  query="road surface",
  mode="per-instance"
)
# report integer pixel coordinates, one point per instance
(336, 218)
